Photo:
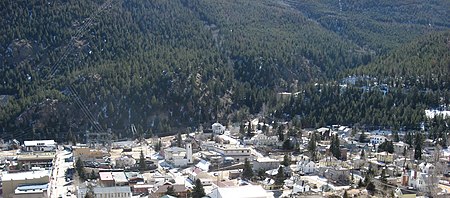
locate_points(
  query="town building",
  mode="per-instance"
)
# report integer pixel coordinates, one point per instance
(238, 154)
(305, 166)
(385, 157)
(11, 181)
(40, 160)
(31, 191)
(265, 163)
(106, 179)
(178, 157)
(105, 192)
(39, 146)
(218, 128)
(180, 190)
(399, 147)
(89, 154)
(377, 139)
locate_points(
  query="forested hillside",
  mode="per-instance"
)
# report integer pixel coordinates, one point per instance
(180, 63)
(377, 25)
(423, 63)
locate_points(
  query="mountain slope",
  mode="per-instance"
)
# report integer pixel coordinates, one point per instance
(377, 25)
(157, 64)
(424, 63)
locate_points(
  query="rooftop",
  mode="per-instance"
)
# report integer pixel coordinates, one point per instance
(25, 175)
(248, 191)
(37, 188)
(40, 143)
(106, 176)
(119, 177)
(175, 149)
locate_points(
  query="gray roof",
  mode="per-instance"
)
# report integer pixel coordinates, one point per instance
(32, 187)
(114, 189)
(175, 149)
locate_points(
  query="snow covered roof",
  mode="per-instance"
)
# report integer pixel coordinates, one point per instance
(40, 143)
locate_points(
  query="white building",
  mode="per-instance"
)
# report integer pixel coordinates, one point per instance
(39, 146)
(239, 154)
(305, 165)
(420, 180)
(102, 192)
(377, 139)
(179, 157)
(426, 168)
(218, 128)
(301, 187)
(399, 147)
(263, 140)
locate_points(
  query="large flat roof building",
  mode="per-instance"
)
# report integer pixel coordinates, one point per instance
(11, 181)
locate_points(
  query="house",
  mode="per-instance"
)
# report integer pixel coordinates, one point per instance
(301, 187)
(385, 157)
(305, 165)
(336, 174)
(269, 184)
(180, 190)
(265, 163)
(218, 128)
(329, 161)
(399, 147)
(115, 191)
(204, 177)
(403, 193)
(418, 180)
(248, 191)
(426, 168)
(141, 189)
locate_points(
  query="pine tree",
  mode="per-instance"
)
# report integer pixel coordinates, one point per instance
(142, 164)
(396, 137)
(370, 187)
(198, 190)
(345, 195)
(335, 147)
(247, 173)
(362, 137)
(312, 147)
(158, 146)
(280, 134)
(360, 183)
(418, 147)
(170, 191)
(279, 178)
(362, 154)
(179, 140)
(286, 144)
(286, 160)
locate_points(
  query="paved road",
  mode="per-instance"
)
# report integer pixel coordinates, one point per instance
(58, 184)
